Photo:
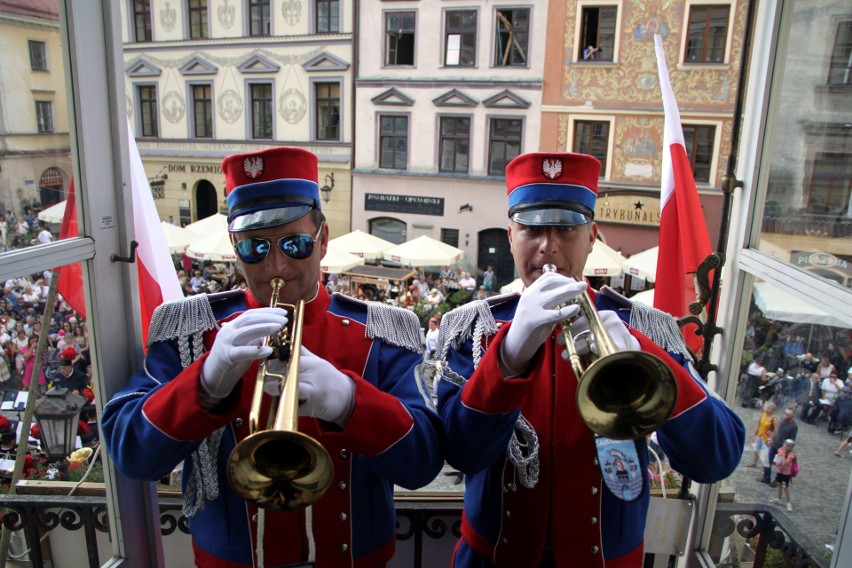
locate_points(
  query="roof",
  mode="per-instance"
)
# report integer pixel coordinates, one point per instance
(381, 272)
(47, 9)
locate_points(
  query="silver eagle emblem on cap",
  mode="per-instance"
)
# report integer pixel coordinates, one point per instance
(253, 167)
(551, 168)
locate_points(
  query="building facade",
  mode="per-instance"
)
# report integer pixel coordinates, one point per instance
(34, 143)
(209, 78)
(606, 101)
(445, 96)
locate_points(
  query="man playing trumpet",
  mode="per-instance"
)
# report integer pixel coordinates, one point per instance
(542, 488)
(192, 401)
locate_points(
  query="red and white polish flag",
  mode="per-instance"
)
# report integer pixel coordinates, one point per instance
(684, 242)
(157, 277)
(158, 280)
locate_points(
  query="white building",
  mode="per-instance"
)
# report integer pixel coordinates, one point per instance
(209, 78)
(445, 96)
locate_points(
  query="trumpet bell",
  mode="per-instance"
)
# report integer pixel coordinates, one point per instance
(626, 395)
(280, 470)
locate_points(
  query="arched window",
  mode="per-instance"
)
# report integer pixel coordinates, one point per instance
(389, 229)
(51, 186)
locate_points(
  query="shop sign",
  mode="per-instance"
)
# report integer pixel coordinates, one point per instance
(404, 204)
(628, 209)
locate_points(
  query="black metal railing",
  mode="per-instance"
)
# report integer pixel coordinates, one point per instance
(765, 527)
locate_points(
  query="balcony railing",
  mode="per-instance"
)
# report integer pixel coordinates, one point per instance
(419, 521)
(830, 226)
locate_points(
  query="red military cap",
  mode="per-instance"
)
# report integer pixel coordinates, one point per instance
(35, 432)
(4, 424)
(552, 188)
(67, 356)
(269, 188)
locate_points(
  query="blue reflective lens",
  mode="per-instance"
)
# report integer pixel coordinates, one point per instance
(253, 250)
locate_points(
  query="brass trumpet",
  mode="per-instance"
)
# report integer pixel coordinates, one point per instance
(280, 468)
(622, 395)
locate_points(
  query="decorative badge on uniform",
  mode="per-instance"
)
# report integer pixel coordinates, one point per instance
(620, 467)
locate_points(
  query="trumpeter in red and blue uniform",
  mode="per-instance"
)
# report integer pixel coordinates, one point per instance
(541, 488)
(191, 401)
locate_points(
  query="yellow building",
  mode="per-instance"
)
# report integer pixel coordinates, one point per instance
(34, 142)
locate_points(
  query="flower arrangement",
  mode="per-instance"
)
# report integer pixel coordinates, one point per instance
(670, 478)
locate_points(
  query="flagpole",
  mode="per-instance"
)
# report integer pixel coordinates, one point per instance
(730, 183)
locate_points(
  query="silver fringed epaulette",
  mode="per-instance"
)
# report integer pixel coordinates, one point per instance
(473, 321)
(184, 320)
(395, 326)
(659, 327)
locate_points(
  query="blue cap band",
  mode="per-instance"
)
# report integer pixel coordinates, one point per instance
(538, 193)
(275, 194)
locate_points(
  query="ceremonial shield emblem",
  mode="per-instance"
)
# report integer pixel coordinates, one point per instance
(620, 467)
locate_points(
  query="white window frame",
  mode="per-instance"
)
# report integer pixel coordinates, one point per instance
(190, 110)
(444, 45)
(578, 29)
(687, 8)
(98, 128)
(385, 63)
(247, 12)
(717, 144)
(250, 109)
(313, 107)
(530, 40)
(574, 118)
(379, 117)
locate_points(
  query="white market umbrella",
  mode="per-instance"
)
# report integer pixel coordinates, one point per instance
(177, 238)
(215, 247)
(645, 297)
(424, 251)
(215, 223)
(603, 261)
(776, 304)
(53, 214)
(359, 243)
(336, 261)
(642, 264)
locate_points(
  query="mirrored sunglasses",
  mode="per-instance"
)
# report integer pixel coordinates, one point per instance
(297, 247)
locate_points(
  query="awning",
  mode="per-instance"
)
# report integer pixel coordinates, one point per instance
(370, 274)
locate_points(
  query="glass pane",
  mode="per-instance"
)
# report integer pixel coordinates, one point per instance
(35, 164)
(796, 355)
(808, 219)
(792, 368)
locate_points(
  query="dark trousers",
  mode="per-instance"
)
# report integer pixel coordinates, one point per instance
(767, 471)
(810, 412)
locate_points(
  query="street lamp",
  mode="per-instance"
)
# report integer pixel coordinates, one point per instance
(329, 185)
(58, 413)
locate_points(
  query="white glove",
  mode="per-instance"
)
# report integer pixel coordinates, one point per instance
(324, 392)
(238, 343)
(535, 317)
(614, 326)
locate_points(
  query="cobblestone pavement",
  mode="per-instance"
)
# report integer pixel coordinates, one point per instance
(818, 493)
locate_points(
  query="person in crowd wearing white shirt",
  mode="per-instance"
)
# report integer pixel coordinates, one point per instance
(432, 337)
(467, 282)
(44, 236)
